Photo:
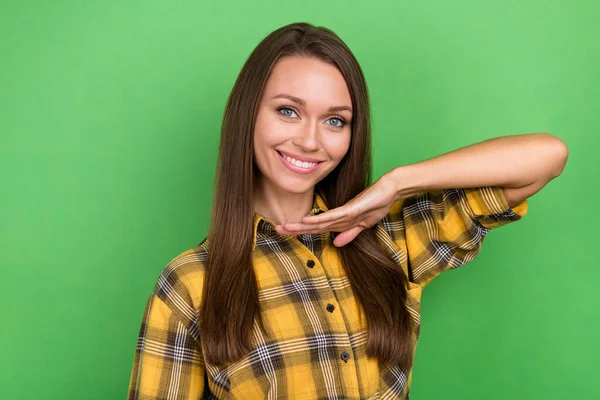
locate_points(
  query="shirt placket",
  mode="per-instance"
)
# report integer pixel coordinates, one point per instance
(332, 315)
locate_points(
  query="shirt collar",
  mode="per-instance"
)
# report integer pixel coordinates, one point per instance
(264, 224)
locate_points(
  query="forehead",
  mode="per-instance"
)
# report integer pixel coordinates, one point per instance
(315, 81)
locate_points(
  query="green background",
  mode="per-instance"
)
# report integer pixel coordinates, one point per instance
(109, 125)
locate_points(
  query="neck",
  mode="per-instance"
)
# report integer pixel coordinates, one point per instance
(281, 206)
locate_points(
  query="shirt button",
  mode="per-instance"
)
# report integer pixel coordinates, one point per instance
(310, 263)
(345, 356)
(330, 307)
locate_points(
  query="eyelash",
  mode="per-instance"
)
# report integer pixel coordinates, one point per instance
(343, 121)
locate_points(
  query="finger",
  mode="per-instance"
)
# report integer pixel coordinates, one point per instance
(327, 216)
(337, 226)
(309, 229)
(318, 228)
(347, 236)
(302, 227)
(299, 231)
(280, 229)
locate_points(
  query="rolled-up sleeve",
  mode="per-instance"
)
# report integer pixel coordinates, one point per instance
(444, 229)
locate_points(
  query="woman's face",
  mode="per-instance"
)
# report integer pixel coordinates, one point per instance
(306, 111)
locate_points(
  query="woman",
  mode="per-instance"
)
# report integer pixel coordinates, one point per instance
(308, 285)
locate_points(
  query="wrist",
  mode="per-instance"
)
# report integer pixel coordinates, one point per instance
(404, 181)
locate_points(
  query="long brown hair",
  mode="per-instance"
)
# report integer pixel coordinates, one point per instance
(230, 298)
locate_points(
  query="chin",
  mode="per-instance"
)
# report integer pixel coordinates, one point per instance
(290, 187)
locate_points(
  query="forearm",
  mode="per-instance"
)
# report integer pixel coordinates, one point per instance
(507, 161)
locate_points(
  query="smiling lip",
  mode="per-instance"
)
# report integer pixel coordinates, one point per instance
(295, 168)
(299, 158)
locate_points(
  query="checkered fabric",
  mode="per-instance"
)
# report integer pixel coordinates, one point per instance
(313, 345)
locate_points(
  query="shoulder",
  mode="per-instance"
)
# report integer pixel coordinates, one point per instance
(181, 282)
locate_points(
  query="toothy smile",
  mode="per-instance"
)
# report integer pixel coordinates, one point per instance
(298, 163)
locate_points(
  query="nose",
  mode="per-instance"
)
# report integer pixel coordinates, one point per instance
(308, 137)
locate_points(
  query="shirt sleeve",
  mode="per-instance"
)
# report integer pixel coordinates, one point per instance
(168, 362)
(444, 229)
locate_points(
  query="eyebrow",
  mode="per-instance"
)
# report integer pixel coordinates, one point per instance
(302, 102)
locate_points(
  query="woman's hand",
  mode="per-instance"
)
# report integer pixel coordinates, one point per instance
(363, 211)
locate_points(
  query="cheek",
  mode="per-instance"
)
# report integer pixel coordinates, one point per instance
(261, 125)
(339, 147)
(266, 132)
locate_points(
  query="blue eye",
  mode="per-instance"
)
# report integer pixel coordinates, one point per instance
(343, 123)
(286, 108)
(341, 120)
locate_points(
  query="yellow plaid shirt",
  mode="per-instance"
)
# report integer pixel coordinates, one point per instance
(314, 343)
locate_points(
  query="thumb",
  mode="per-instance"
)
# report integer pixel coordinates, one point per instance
(347, 236)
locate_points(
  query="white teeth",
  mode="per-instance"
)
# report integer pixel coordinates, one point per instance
(299, 163)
